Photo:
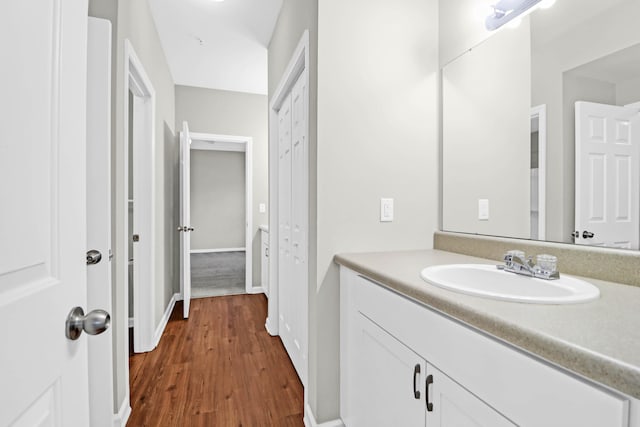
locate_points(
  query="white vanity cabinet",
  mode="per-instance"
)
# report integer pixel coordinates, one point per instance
(403, 364)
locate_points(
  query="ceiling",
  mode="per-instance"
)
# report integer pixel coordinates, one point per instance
(217, 44)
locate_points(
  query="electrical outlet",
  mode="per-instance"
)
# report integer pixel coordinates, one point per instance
(483, 209)
(262, 207)
(386, 210)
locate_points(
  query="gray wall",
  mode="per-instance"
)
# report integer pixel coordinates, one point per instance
(131, 19)
(233, 113)
(217, 199)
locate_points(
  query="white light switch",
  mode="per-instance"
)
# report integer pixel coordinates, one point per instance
(262, 207)
(386, 210)
(483, 209)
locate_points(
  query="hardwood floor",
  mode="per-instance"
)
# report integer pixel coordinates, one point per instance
(218, 368)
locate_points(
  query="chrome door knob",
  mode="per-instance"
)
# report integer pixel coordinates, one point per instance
(93, 257)
(94, 323)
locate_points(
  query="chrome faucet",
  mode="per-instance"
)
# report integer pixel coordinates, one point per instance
(519, 265)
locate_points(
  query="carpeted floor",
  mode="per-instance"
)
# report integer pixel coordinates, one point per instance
(219, 273)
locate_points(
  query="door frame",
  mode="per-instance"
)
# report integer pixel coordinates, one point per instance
(137, 81)
(298, 66)
(540, 111)
(99, 213)
(244, 144)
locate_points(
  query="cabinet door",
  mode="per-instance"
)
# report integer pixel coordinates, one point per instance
(454, 406)
(389, 380)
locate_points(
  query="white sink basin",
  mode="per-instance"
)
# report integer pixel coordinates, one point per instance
(487, 281)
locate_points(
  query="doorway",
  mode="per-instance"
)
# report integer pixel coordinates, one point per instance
(216, 215)
(538, 192)
(137, 214)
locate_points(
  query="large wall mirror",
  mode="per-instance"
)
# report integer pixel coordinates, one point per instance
(541, 127)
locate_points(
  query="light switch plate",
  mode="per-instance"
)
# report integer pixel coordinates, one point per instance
(483, 209)
(386, 210)
(263, 208)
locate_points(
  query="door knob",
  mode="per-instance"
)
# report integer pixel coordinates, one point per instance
(190, 228)
(94, 323)
(587, 235)
(93, 257)
(180, 228)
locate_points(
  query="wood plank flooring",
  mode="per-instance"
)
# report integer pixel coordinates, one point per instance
(218, 368)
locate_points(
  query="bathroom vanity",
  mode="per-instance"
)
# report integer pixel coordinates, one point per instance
(412, 354)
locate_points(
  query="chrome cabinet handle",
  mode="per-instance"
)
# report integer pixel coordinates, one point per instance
(94, 323)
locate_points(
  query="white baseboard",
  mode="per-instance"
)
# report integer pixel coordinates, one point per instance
(256, 290)
(310, 420)
(269, 327)
(164, 320)
(120, 419)
(210, 251)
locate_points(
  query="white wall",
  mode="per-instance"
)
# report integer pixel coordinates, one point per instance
(486, 128)
(233, 113)
(217, 199)
(628, 92)
(377, 137)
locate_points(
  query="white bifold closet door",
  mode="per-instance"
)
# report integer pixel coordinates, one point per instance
(293, 225)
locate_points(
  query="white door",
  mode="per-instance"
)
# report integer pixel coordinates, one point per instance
(43, 217)
(99, 215)
(451, 405)
(285, 266)
(185, 217)
(607, 176)
(390, 379)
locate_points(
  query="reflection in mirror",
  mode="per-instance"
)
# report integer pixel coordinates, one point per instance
(542, 122)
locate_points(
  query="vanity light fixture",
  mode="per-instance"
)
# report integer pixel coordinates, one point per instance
(505, 11)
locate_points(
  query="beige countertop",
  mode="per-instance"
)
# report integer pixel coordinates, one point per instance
(599, 340)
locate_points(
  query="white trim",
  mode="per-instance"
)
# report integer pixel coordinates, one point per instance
(165, 319)
(136, 80)
(131, 322)
(210, 251)
(634, 105)
(541, 112)
(217, 146)
(256, 290)
(310, 420)
(217, 142)
(120, 419)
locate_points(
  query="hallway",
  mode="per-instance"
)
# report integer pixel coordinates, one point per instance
(218, 368)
